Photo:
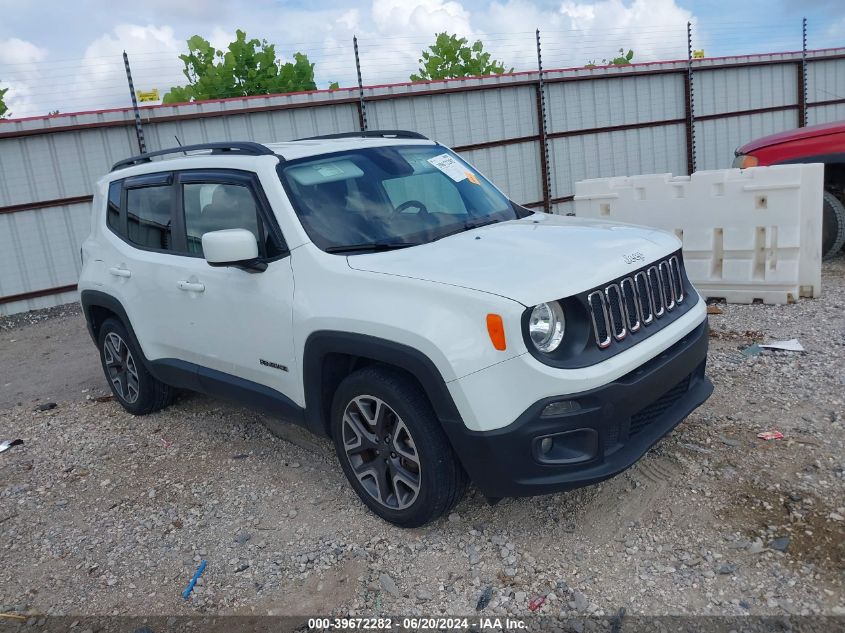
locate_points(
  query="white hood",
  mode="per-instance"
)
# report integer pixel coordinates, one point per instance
(532, 260)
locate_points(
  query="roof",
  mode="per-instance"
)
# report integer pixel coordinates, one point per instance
(291, 150)
(810, 131)
(287, 150)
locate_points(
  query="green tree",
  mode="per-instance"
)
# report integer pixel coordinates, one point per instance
(622, 59)
(452, 56)
(248, 67)
(3, 109)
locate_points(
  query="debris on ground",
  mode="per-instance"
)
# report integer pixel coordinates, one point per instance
(484, 599)
(13, 616)
(536, 603)
(770, 435)
(780, 544)
(714, 310)
(752, 350)
(792, 345)
(193, 582)
(387, 584)
(47, 406)
(5, 445)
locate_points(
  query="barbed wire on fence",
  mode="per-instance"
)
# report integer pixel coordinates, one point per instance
(92, 83)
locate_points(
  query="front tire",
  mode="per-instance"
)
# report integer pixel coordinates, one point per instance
(833, 225)
(392, 448)
(135, 388)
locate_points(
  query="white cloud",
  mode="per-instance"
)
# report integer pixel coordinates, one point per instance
(220, 38)
(17, 51)
(38, 84)
(420, 17)
(391, 35)
(577, 32)
(350, 19)
(395, 32)
(22, 63)
(153, 57)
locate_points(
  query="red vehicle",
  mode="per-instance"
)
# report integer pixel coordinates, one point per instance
(823, 143)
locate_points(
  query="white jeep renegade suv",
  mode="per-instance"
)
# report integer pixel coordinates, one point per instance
(375, 288)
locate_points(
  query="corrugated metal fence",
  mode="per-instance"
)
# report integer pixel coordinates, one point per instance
(643, 118)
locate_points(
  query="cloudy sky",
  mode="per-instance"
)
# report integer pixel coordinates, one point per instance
(67, 56)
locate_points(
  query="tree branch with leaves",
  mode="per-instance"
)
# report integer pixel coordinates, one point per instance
(4, 110)
(622, 59)
(451, 56)
(247, 67)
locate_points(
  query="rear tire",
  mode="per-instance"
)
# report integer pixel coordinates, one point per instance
(124, 366)
(833, 225)
(392, 448)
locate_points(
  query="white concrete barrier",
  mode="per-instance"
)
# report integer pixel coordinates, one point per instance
(749, 235)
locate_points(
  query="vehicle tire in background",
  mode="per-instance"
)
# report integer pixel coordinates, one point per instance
(136, 389)
(392, 448)
(833, 225)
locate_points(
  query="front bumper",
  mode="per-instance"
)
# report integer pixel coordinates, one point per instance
(615, 425)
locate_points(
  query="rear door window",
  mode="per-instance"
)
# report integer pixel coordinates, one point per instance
(149, 217)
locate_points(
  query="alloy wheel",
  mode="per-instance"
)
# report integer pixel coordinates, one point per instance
(121, 368)
(381, 452)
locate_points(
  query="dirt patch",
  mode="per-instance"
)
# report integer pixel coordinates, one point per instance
(48, 356)
(746, 336)
(815, 531)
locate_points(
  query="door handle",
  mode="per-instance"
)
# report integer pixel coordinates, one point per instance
(120, 272)
(191, 286)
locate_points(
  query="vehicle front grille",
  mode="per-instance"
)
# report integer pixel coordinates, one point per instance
(635, 302)
(649, 414)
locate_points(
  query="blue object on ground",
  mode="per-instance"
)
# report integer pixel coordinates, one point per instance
(193, 582)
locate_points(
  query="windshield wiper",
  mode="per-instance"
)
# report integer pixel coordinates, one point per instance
(468, 226)
(368, 246)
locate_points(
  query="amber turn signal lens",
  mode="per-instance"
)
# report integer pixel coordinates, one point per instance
(744, 161)
(496, 330)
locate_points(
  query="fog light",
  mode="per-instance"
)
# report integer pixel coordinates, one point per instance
(560, 408)
(546, 445)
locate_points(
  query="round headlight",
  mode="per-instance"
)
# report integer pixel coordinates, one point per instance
(546, 326)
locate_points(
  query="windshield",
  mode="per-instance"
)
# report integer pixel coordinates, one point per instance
(390, 197)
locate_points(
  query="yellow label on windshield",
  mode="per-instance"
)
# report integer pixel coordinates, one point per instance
(471, 177)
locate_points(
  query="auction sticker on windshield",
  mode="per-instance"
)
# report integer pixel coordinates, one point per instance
(449, 166)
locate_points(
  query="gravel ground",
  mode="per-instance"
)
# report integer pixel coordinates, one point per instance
(103, 513)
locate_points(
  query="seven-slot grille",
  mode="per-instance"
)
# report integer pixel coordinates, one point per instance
(626, 306)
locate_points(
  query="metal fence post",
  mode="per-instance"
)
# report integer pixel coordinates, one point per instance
(139, 130)
(362, 106)
(802, 77)
(541, 124)
(690, 105)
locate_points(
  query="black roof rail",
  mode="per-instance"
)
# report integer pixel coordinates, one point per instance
(244, 148)
(368, 134)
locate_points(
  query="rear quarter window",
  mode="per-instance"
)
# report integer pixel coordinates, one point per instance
(113, 207)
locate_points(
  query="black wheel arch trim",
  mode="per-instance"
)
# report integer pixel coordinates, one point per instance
(321, 343)
(95, 298)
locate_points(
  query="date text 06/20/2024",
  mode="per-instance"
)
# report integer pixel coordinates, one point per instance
(416, 624)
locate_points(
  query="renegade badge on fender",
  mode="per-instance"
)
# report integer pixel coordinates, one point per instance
(375, 288)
